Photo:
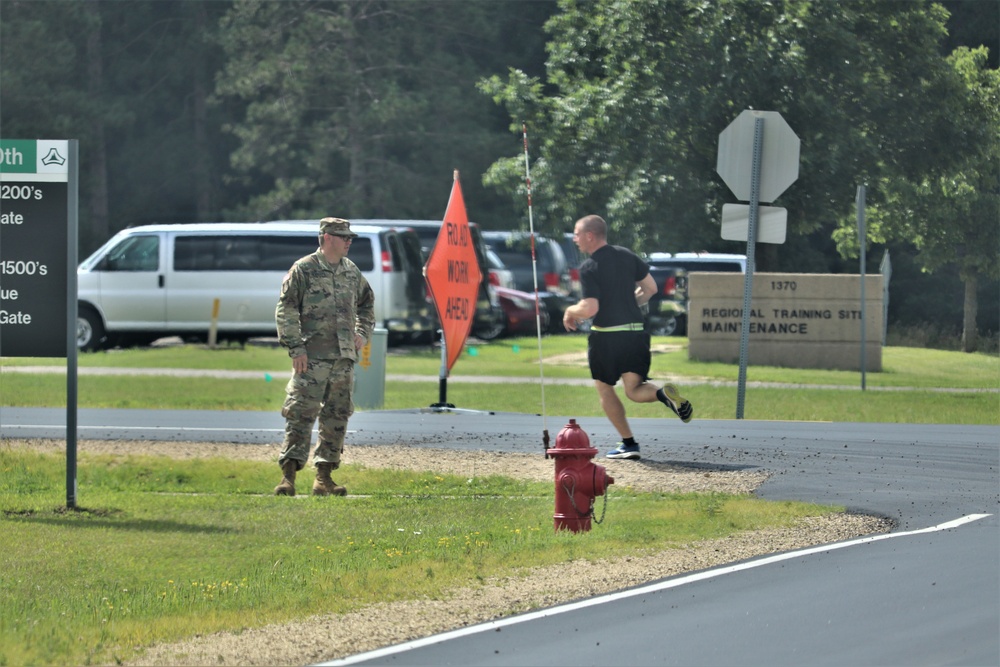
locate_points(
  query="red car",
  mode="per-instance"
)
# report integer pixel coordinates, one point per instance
(519, 313)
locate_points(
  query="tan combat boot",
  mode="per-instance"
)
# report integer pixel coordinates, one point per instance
(287, 486)
(324, 485)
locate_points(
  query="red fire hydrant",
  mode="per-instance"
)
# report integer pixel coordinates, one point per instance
(578, 480)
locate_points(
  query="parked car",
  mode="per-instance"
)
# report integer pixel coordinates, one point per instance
(667, 310)
(519, 312)
(555, 285)
(153, 281)
(489, 313)
(574, 258)
(499, 274)
(513, 304)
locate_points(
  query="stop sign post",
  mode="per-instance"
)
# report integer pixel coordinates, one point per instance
(758, 159)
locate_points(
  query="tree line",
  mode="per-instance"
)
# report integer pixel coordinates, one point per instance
(263, 110)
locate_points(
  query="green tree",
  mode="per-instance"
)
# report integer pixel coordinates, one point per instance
(130, 81)
(626, 122)
(953, 217)
(51, 88)
(365, 108)
(167, 160)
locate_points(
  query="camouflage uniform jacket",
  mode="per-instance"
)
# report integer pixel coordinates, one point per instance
(322, 306)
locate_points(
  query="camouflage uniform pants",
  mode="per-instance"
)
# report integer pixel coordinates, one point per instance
(323, 391)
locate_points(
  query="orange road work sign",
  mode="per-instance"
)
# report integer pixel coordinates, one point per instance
(453, 275)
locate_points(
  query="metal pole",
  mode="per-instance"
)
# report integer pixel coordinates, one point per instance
(758, 145)
(443, 375)
(538, 301)
(861, 239)
(885, 269)
(72, 219)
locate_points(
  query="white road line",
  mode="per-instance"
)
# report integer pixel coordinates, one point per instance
(663, 585)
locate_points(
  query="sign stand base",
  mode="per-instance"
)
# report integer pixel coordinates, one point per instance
(444, 406)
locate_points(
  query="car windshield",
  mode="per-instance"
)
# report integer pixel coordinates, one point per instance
(493, 261)
(516, 254)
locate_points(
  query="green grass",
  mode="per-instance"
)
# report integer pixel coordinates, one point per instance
(519, 357)
(563, 358)
(166, 548)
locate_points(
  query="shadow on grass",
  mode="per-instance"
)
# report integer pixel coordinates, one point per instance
(81, 517)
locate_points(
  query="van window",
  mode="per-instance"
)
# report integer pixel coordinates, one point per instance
(136, 253)
(255, 253)
(216, 253)
(278, 253)
(516, 253)
(361, 253)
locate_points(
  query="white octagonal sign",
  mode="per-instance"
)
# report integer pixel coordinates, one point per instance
(779, 160)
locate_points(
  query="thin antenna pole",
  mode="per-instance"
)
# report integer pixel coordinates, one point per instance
(534, 275)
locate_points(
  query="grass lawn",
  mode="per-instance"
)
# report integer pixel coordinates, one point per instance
(972, 381)
(169, 548)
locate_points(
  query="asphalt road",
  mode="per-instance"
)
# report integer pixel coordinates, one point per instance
(926, 594)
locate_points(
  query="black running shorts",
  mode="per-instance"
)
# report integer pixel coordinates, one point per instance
(612, 353)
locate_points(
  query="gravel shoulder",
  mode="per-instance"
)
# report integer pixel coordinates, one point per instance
(331, 636)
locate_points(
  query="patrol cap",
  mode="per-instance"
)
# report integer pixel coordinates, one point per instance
(336, 227)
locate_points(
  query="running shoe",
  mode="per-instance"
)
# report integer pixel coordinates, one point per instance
(681, 406)
(623, 451)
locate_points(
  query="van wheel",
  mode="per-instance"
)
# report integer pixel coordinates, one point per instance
(90, 334)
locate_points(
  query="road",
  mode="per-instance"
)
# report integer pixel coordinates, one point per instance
(928, 593)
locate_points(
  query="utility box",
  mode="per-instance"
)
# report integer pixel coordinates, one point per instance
(369, 372)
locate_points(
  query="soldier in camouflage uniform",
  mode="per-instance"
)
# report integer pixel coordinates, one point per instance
(325, 315)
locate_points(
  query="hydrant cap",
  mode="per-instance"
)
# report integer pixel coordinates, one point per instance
(573, 440)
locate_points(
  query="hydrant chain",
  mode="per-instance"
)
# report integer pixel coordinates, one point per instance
(571, 492)
(604, 507)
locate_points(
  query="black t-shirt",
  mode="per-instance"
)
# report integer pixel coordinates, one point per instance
(609, 275)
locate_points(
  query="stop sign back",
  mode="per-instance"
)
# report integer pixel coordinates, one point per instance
(779, 161)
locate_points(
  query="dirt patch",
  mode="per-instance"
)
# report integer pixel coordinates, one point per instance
(331, 636)
(580, 358)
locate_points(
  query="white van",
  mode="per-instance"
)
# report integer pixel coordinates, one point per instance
(162, 280)
(700, 261)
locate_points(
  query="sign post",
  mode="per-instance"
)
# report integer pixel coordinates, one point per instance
(757, 166)
(862, 237)
(39, 193)
(453, 276)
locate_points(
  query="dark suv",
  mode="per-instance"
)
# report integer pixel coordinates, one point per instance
(574, 258)
(555, 284)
